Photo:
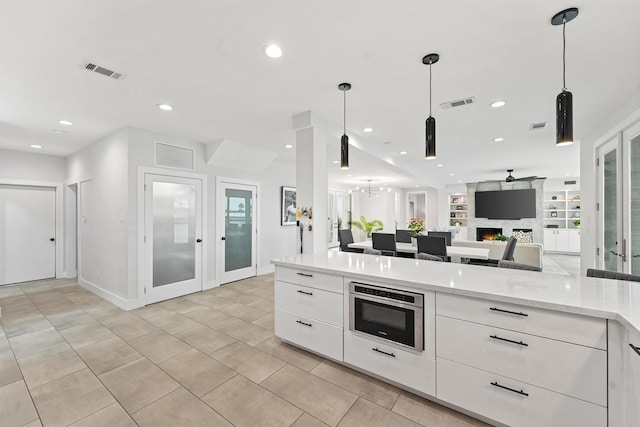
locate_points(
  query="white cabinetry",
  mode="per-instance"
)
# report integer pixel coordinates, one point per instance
(632, 378)
(309, 310)
(524, 370)
(561, 240)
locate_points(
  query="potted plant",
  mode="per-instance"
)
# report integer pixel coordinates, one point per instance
(500, 238)
(416, 225)
(576, 223)
(367, 227)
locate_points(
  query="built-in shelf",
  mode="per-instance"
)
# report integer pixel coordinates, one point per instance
(561, 208)
(458, 207)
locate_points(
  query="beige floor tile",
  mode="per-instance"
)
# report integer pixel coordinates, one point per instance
(266, 322)
(247, 298)
(263, 305)
(290, 354)
(205, 299)
(179, 408)
(70, 398)
(248, 361)
(182, 305)
(243, 331)
(100, 309)
(14, 301)
(159, 346)
(16, 407)
(365, 413)
(204, 338)
(243, 312)
(35, 423)
(429, 413)
(246, 404)
(151, 310)
(35, 342)
(108, 355)
(86, 334)
(131, 328)
(9, 370)
(137, 384)
(172, 322)
(265, 293)
(307, 420)
(321, 399)
(10, 291)
(363, 385)
(15, 326)
(49, 365)
(197, 372)
(69, 319)
(225, 291)
(111, 416)
(33, 287)
(210, 317)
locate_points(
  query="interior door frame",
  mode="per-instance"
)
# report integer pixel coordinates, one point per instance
(220, 220)
(629, 133)
(613, 143)
(59, 209)
(140, 263)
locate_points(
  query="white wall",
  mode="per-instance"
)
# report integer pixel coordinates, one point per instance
(32, 166)
(382, 208)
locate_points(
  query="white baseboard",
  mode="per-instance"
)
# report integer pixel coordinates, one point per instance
(111, 297)
(210, 285)
(70, 274)
(266, 269)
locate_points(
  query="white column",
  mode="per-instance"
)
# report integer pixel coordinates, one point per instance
(311, 181)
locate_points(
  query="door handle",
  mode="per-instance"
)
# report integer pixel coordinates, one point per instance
(223, 238)
(198, 240)
(52, 239)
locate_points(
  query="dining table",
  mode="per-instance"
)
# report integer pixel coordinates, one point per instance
(456, 253)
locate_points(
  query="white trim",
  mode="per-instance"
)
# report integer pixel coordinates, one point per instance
(60, 236)
(111, 297)
(142, 171)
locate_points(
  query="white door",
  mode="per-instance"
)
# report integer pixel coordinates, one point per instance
(173, 237)
(27, 233)
(236, 231)
(631, 199)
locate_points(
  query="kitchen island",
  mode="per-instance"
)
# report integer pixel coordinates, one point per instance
(512, 347)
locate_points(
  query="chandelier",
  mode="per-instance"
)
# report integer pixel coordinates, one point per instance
(375, 192)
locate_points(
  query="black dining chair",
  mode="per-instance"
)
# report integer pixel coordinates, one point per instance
(605, 274)
(429, 257)
(403, 236)
(371, 251)
(507, 255)
(445, 234)
(434, 245)
(345, 237)
(384, 242)
(518, 265)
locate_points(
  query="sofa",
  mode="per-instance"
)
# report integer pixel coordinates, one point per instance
(525, 253)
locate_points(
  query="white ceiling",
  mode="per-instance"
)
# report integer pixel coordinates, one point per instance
(205, 58)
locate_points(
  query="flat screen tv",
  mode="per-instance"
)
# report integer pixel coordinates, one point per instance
(508, 204)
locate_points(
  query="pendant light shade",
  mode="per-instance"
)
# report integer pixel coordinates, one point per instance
(564, 100)
(344, 141)
(430, 124)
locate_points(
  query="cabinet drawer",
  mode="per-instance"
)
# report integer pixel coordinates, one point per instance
(583, 330)
(313, 334)
(570, 369)
(480, 392)
(312, 279)
(404, 367)
(314, 303)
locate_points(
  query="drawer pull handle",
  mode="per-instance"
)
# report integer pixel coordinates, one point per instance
(495, 384)
(517, 313)
(636, 349)
(383, 352)
(303, 323)
(495, 337)
(306, 293)
(305, 274)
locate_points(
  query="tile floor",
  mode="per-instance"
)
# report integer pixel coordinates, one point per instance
(67, 357)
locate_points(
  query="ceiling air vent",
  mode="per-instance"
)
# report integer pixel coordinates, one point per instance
(459, 103)
(537, 126)
(90, 66)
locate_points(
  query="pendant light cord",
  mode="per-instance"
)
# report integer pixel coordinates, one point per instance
(430, 88)
(344, 121)
(564, 49)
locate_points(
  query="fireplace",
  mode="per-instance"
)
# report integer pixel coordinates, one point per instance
(487, 233)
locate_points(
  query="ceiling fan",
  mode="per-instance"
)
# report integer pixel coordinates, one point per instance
(511, 178)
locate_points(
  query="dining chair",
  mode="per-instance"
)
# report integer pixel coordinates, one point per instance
(507, 255)
(429, 257)
(434, 245)
(605, 274)
(345, 237)
(403, 236)
(518, 265)
(371, 251)
(445, 234)
(385, 242)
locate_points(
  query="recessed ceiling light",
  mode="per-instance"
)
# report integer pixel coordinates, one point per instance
(403, 152)
(273, 51)
(367, 130)
(459, 180)
(567, 174)
(35, 146)
(65, 122)
(288, 146)
(165, 107)
(335, 162)
(498, 104)
(439, 165)
(451, 174)
(350, 175)
(57, 131)
(499, 139)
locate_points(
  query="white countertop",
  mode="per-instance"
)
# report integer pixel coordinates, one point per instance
(605, 298)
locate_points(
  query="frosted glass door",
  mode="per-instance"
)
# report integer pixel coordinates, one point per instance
(173, 236)
(633, 209)
(610, 211)
(236, 231)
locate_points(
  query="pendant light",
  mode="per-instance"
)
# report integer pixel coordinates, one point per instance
(344, 141)
(564, 100)
(430, 124)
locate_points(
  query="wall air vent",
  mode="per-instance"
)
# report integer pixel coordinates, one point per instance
(459, 103)
(572, 182)
(537, 126)
(90, 66)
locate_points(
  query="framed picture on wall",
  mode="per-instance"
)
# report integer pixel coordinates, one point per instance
(288, 206)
